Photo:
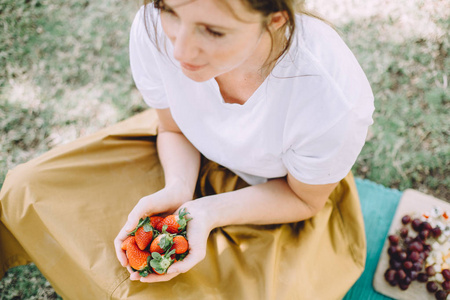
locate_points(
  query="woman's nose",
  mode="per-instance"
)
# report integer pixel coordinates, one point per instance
(185, 46)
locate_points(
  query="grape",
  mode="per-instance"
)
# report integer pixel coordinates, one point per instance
(446, 285)
(406, 219)
(432, 286)
(392, 250)
(413, 274)
(422, 277)
(404, 232)
(393, 239)
(427, 247)
(417, 266)
(403, 286)
(425, 226)
(407, 280)
(401, 274)
(441, 295)
(390, 275)
(408, 240)
(407, 265)
(414, 256)
(416, 224)
(446, 274)
(423, 235)
(401, 256)
(415, 246)
(393, 282)
(430, 271)
(421, 256)
(395, 264)
(437, 232)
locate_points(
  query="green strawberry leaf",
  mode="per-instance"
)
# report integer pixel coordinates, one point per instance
(156, 255)
(148, 227)
(166, 242)
(154, 263)
(140, 223)
(162, 263)
(169, 254)
(182, 213)
(144, 273)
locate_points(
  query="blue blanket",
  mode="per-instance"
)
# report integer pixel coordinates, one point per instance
(378, 205)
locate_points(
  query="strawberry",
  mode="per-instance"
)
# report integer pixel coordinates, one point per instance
(160, 263)
(162, 242)
(136, 257)
(176, 223)
(129, 240)
(142, 223)
(144, 237)
(155, 221)
(180, 244)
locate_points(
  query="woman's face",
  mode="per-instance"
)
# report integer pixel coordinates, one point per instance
(210, 40)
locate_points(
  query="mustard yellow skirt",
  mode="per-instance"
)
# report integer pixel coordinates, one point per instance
(63, 210)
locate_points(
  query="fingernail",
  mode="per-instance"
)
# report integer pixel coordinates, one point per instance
(171, 271)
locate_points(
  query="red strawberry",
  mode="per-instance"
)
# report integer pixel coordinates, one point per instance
(155, 221)
(129, 240)
(180, 244)
(136, 257)
(161, 243)
(176, 223)
(143, 238)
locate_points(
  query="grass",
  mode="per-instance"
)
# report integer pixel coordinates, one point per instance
(64, 73)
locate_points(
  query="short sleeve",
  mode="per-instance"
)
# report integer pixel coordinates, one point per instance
(322, 143)
(327, 158)
(144, 63)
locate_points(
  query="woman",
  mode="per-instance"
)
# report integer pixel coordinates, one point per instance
(261, 114)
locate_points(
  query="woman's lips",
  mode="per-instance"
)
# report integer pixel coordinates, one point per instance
(192, 67)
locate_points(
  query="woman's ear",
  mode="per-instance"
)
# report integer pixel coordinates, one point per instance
(277, 20)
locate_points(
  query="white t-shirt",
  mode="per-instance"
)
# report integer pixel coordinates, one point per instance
(309, 117)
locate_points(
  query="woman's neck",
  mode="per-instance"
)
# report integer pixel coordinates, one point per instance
(238, 85)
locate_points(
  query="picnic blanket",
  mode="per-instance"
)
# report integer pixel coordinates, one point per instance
(378, 205)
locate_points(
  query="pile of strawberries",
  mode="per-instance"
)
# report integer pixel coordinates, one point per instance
(157, 243)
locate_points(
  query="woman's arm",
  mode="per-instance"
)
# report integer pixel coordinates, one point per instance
(281, 200)
(181, 163)
(179, 158)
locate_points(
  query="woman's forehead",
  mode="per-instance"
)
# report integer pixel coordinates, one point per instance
(234, 9)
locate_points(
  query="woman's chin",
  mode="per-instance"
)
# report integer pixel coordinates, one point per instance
(197, 76)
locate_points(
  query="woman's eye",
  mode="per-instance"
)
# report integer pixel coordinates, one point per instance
(214, 33)
(165, 9)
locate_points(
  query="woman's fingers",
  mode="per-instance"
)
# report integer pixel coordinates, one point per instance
(118, 247)
(158, 278)
(193, 258)
(139, 211)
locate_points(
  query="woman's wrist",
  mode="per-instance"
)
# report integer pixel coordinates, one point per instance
(179, 191)
(210, 213)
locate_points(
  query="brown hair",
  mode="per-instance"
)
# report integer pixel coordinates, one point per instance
(265, 8)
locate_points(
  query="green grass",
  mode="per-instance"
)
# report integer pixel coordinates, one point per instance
(64, 73)
(26, 282)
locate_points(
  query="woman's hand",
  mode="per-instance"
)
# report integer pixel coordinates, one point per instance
(165, 201)
(198, 230)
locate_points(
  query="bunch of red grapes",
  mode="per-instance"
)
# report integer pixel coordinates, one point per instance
(408, 254)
